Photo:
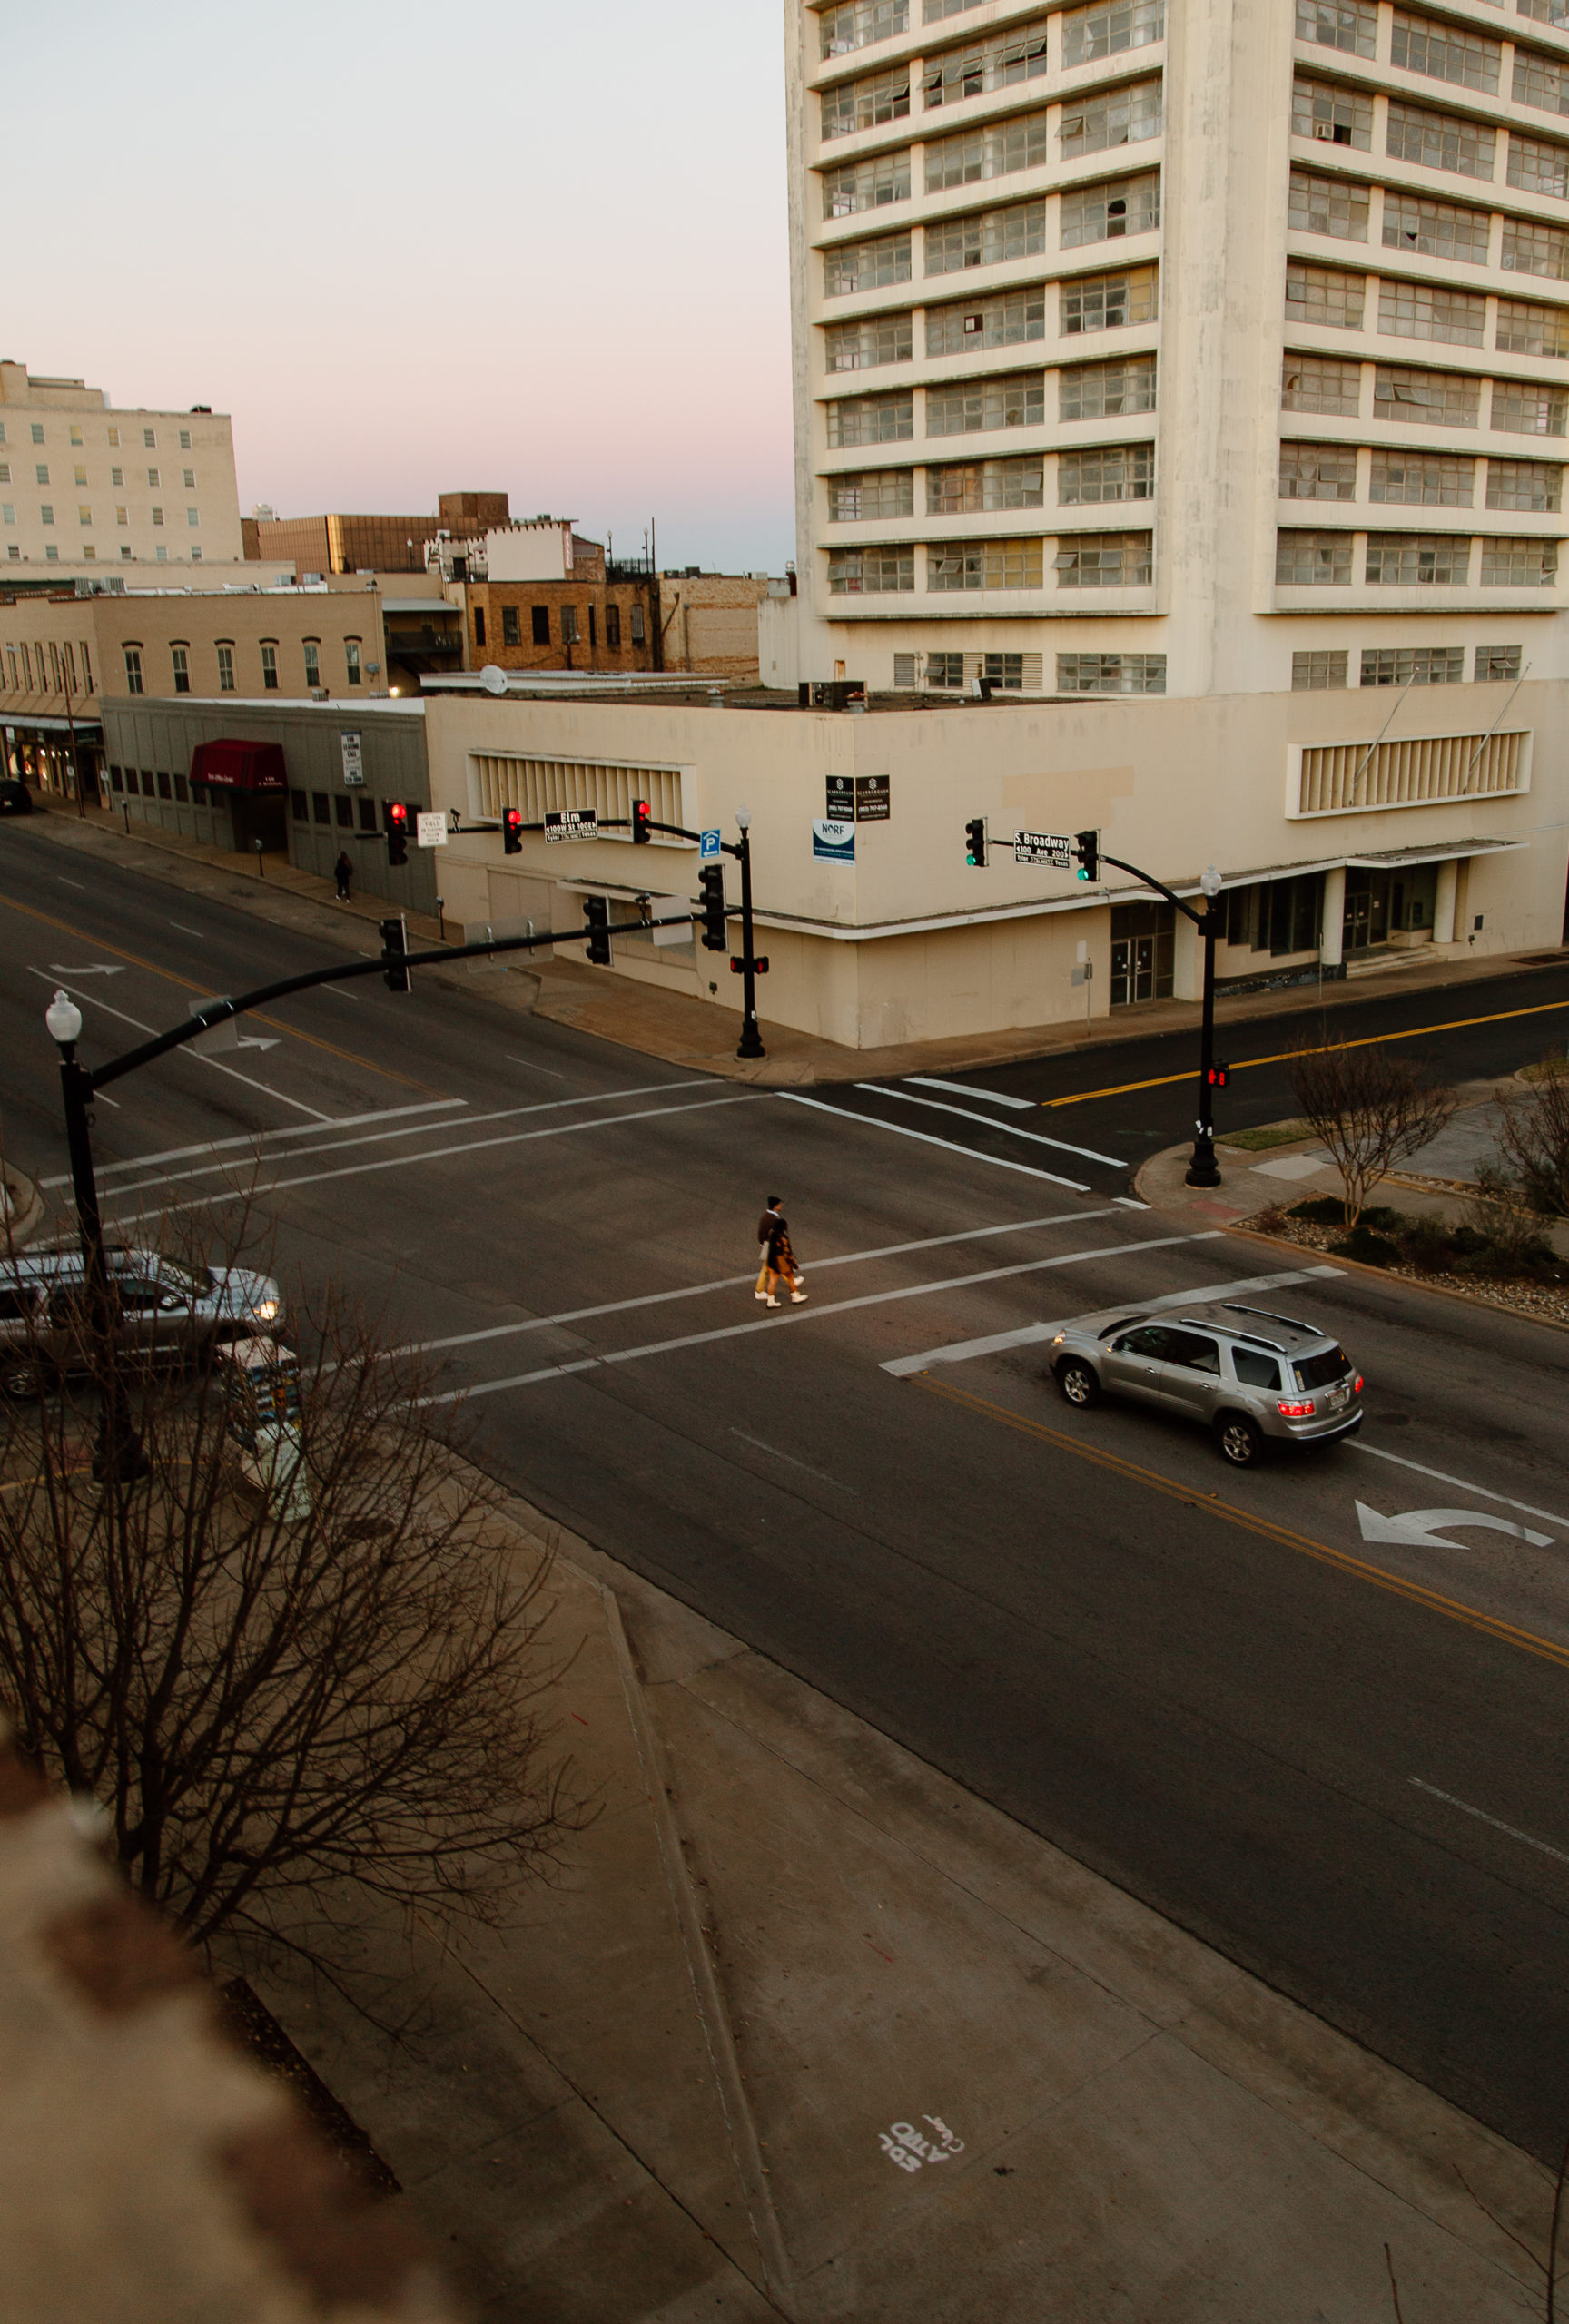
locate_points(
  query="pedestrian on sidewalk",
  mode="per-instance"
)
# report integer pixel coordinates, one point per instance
(343, 872)
(778, 1258)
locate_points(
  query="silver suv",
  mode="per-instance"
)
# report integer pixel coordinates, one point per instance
(1244, 1374)
(161, 1308)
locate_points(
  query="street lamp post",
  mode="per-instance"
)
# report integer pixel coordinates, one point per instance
(120, 1452)
(750, 1043)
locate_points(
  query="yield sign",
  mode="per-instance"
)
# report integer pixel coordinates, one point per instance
(1426, 1528)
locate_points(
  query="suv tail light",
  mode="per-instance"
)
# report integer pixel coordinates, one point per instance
(1295, 1412)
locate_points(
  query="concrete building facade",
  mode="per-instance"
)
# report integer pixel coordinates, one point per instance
(89, 488)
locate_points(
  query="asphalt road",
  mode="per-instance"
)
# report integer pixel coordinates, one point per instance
(1342, 1760)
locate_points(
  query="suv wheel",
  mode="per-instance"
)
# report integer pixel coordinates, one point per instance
(1078, 1384)
(1238, 1441)
(21, 1379)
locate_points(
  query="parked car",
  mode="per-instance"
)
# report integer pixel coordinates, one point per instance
(1248, 1376)
(16, 799)
(161, 1308)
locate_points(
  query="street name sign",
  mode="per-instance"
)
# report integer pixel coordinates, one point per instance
(573, 822)
(1055, 848)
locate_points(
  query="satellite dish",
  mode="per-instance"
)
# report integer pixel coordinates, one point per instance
(493, 679)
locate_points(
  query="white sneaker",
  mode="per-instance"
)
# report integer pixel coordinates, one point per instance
(759, 1295)
(772, 1302)
(797, 1297)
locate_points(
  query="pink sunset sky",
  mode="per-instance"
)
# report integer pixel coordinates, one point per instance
(536, 247)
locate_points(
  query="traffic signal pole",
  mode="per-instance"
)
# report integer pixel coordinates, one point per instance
(1202, 1170)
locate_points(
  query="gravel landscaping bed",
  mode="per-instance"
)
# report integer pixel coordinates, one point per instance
(1543, 1303)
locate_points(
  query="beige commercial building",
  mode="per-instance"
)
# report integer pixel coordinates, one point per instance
(351, 637)
(93, 488)
(900, 939)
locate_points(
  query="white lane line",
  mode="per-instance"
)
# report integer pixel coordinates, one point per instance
(964, 1089)
(64, 882)
(530, 1066)
(433, 1153)
(791, 1462)
(340, 992)
(963, 1351)
(1009, 1130)
(199, 933)
(807, 1315)
(1543, 1848)
(898, 1129)
(267, 1090)
(1127, 1203)
(1483, 1492)
(419, 1129)
(255, 1137)
(734, 1282)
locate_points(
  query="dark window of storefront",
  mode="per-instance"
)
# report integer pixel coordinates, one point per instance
(511, 626)
(344, 810)
(165, 789)
(613, 628)
(478, 625)
(300, 805)
(541, 617)
(321, 806)
(1143, 952)
(368, 815)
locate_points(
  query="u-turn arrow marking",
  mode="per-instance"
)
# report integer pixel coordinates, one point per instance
(1427, 1528)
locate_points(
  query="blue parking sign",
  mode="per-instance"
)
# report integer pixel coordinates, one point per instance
(709, 848)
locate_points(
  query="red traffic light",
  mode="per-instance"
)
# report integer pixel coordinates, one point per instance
(640, 823)
(397, 814)
(511, 831)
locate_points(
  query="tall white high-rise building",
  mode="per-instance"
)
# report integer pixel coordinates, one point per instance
(1198, 348)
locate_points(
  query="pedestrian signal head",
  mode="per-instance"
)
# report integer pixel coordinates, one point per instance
(975, 841)
(511, 831)
(1087, 852)
(1217, 1076)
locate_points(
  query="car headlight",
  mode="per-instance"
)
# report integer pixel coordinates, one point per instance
(265, 1310)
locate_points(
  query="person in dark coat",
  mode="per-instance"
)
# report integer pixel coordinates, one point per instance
(778, 1259)
(343, 872)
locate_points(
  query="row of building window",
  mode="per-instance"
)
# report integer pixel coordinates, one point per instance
(1085, 303)
(979, 67)
(975, 406)
(1318, 670)
(84, 513)
(1421, 398)
(1083, 561)
(180, 664)
(54, 664)
(86, 551)
(571, 634)
(1414, 560)
(1129, 115)
(77, 435)
(1105, 472)
(1105, 212)
(116, 476)
(1332, 300)
(1340, 209)
(946, 670)
(1103, 28)
(1442, 50)
(1418, 480)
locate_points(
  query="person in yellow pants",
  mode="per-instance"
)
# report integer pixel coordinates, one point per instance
(778, 1259)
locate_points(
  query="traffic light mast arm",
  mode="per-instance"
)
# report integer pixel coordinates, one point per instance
(218, 1012)
(1144, 879)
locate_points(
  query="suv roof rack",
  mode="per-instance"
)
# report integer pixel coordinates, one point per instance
(1265, 1315)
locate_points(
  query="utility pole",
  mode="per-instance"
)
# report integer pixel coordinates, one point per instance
(751, 1045)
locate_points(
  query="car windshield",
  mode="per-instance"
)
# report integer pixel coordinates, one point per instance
(1317, 1371)
(179, 1278)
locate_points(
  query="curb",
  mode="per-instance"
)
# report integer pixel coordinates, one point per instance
(744, 2144)
(1352, 1266)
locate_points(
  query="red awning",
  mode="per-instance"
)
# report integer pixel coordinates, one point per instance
(239, 766)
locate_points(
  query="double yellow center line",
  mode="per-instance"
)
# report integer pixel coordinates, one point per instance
(1432, 1601)
(1284, 1057)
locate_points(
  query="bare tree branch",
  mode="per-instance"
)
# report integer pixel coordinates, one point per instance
(285, 1722)
(1371, 1110)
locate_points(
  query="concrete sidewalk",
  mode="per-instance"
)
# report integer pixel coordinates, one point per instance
(694, 1033)
(807, 2031)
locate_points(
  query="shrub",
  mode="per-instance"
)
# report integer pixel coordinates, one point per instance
(1362, 1243)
